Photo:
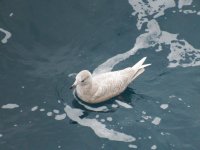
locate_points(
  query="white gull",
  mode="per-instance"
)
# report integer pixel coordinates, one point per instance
(101, 87)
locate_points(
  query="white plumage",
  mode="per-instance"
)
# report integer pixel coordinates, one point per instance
(101, 87)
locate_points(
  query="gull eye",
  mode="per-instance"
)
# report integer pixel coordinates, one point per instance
(82, 80)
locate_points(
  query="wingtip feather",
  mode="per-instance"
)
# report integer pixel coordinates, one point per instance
(140, 63)
(145, 65)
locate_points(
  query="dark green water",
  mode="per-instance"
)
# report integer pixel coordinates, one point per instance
(52, 39)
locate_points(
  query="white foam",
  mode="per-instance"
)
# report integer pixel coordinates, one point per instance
(144, 112)
(102, 120)
(114, 105)
(153, 8)
(164, 133)
(182, 53)
(42, 109)
(60, 117)
(146, 117)
(7, 35)
(99, 128)
(11, 14)
(1, 135)
(189, 11)
(34, 108)
(146, 40)
(180, 99)
(98, 109)
(10, 106)
(111, 62)
(109, 118)
(72, 75)
(97, 116)
(164, 106)
(156, 121)
(56, 111)
(172, 96)
(49, 114)
(153, 147)
(123, 104)
(132, 146)
(182, 3)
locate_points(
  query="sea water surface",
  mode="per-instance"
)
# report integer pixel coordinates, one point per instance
(43, 44)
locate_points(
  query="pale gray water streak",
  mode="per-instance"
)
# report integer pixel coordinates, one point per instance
(182, 53)
(99, 128)
(7, 35)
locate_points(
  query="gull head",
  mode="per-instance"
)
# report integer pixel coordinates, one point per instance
(83, 78)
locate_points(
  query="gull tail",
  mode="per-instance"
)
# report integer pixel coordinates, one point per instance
(140, 64)
(139, 67)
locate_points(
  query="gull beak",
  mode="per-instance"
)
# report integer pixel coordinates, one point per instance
(73, 86)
